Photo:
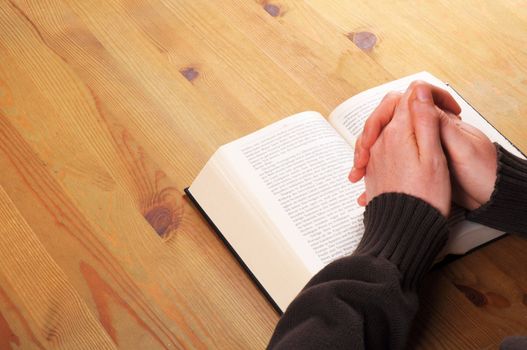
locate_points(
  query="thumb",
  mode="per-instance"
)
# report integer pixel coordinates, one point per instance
(457, 137)
(426, 120)
(452, 136)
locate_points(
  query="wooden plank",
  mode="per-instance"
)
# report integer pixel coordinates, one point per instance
(476, 301)
(164, 275)
(36, 298)
(477, 46)
(108, 109)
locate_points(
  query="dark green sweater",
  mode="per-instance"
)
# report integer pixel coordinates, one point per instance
(368, 300)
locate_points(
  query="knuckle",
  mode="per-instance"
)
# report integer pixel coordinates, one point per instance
(437, 163)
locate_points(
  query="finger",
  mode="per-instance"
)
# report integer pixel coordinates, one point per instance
(401, 115)
(383, 114)
(357, 153)
(471, 131)
(462, 198)
(362, 157)
(358, 142)
(449, 114)
(356, 174)
(441, 97)
(362, 199)
(360, 161)
(457, 137)
(380, 117)
(426, 119)
(444, 100)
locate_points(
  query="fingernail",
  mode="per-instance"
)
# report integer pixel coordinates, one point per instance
(422, 94)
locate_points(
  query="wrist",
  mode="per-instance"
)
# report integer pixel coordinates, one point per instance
(489, 176)
(505, 210)
(406, 231)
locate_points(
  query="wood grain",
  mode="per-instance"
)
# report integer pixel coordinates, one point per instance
(108, 109)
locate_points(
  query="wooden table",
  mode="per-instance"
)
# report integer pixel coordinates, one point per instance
(108, 109)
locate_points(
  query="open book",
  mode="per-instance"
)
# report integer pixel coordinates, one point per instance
(281, 200)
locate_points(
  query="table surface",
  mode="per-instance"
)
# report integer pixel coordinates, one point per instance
(109, 109)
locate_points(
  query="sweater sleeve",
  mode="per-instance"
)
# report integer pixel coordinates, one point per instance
(507, 208)
(368, 299)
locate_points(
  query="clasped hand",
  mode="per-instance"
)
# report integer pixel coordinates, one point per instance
(416, 143)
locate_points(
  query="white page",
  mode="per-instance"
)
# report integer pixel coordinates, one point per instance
(298, 169)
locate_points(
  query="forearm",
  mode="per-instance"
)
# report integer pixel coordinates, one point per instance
(368, 299)
(507, 208)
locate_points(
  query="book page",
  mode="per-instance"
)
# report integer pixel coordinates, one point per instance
(299, 170)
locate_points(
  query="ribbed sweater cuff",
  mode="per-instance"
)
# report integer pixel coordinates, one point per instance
(406, 231)
(506, 208)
